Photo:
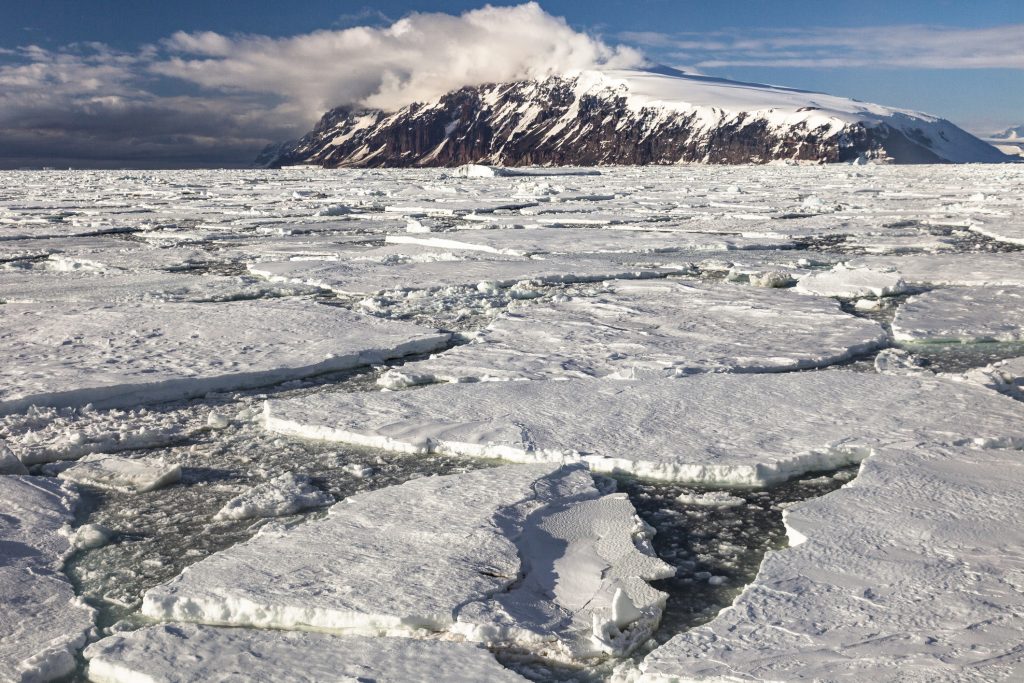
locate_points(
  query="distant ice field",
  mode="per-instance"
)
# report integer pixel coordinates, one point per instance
(639, 424)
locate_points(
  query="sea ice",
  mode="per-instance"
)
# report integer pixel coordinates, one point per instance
(849, 283)
(123, 474)
(912, 571)
(131, 354)
(178, 653)
(655, 327)
(434, 554)
(283, 495)
(674, 429)
(997, 270)
(9, 463)
(961, 314)
(42, 622)
(1010, 231)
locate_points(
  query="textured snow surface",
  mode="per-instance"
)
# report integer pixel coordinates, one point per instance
(42, 623)
(962, 314)
(176, 653)
(124, 355)
(676, 429)
(429, 553)
(911, 572)
(653, 327)
(975, 269)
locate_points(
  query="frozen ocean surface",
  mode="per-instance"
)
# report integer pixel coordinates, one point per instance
(763, 422)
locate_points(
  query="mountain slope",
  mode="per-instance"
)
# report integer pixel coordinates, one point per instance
(659, 116)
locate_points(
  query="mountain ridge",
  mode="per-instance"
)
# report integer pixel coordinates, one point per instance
(616, 117)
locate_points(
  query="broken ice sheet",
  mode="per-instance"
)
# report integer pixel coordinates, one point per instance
(962, 315)
(283, 495)
(42, 622)
(849, 283)
(419, 556)
(138, 353)
(1000, 269)
(913, 568)
(176, 653)
(669, 328)
(669, 429)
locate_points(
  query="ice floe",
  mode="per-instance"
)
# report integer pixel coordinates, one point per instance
(912, 572)
(283, 495)
(130, 354)
(42, 623)
(655, 327)
(849, 283)
(962, 315)
(176, 653)
(675, 429)
(123, 474)
(527, 555)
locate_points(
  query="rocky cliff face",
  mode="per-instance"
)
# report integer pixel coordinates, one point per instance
(601, 118)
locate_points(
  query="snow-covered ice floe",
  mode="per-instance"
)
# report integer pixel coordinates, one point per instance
(974, 269)
(911, 572)
(137, 475)
(530, 556)
(847, 282)
(962, 314)
(131, 354)
(1010, 231)
(178, 653)
(657, 327)
(671, 429)
(42, 623)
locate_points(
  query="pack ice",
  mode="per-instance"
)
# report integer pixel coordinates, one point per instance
(911, 572)
(652, 327)
(669, 429)
(530, 556)
(130, 354)
(176, 653)
(42, 623)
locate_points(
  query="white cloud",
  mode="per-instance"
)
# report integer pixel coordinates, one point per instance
(416, 58)
(206, 98)
(909, 46)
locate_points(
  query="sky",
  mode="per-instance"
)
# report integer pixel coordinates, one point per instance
(157, 84)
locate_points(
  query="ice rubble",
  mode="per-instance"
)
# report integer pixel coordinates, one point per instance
(123, 474)
(130, 354)
(676, 429)
(585, 241)
(962, 314)
(283, 495)
(653, 327)
(912, 571)
(849, 283)
(42, 623)
(9, 463)
(527, 555)
(177, 653)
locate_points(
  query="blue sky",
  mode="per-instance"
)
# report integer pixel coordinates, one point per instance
(108, 82)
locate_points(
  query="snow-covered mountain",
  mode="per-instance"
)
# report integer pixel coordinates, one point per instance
(1009, 141)
(658, 116)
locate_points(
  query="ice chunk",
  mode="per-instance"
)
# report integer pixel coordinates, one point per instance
(283, 495)
(897, 362)
(123, 474)
(960, 314)
(9, 463)
(176, 653)
(970, 269)
(1010, 231)
(423, 554)
(675, 429)
(655, 327)
(913, 569)
(124, 355)
(42, 622)
(849, 283)
(714, 499)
